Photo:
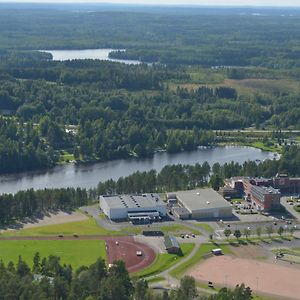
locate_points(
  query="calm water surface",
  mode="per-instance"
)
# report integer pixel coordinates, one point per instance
(102, 54)
(88, 176)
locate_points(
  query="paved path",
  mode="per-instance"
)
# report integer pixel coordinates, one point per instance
(290, 208)
(95, 211)
(174, 282)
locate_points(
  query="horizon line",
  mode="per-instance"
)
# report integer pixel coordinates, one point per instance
(82, 2)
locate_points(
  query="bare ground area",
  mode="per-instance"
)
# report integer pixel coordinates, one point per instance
(251, 252)
(53, 218)
(261, 277)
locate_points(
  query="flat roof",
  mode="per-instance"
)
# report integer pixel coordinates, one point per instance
(133, 201)
(171, 241)
(201, 199)
(181, 211)
(265, 190)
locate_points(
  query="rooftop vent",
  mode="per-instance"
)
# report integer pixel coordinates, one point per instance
(207, 202)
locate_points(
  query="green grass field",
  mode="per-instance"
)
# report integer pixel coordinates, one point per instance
(178, 229)
(86, 227)
(75, 253)
(165, 261)
(205, 227)
(65, 157)
(204, 249)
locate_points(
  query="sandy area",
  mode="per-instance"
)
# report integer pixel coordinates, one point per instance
(261, 277)
(51, 219)
(251, 252)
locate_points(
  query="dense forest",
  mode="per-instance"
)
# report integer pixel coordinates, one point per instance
(90, 110)
(50, 280)
(174, 36)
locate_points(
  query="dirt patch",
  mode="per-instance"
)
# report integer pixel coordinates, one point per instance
(250, 252)
(261, 277)
(125, 248)
(59, 217)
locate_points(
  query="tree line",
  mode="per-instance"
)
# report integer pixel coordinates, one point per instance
(48, 279)
(182, 177)
(31, 203)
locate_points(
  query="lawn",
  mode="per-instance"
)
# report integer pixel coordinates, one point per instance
(70, 252)
(204, 250)
(205, 227)
(66, 157)
(178, 229)
(297, 208)
(165, 261)
(86, 227)
(263, 147)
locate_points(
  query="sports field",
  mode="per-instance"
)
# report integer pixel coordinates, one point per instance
(73, 252)
(261, 277)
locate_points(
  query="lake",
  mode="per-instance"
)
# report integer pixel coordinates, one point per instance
(101, 54)
(88, 176)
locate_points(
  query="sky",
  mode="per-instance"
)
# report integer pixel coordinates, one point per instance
(181, 2)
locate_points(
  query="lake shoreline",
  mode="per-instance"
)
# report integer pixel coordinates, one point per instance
(89, 175)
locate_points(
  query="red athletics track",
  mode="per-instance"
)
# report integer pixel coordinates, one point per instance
(126, 250)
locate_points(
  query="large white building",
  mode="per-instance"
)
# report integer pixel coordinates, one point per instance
(202, 204)
(144, 207)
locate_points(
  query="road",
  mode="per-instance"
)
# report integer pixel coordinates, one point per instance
(257, 131)
(174, 282)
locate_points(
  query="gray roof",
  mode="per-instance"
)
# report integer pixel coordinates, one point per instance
(265, 190)
(201, 199)
(171, 242)
(132, 201)
(181, 211)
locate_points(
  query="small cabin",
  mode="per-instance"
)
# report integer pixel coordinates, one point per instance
(172, 245)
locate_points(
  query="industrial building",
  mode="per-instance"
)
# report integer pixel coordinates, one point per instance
(141, 208)
(202, 204)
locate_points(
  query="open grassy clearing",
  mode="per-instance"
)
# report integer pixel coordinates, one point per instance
(205, 227)
(178, 229)
(174, 229)
(90, 227)
(156, 279)
(165, 261)
(262, 146)
(66, 157)
(297, 208)
(75, 253)
(205, 249)
(87, 227)
(254, 240)
(245, 86)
